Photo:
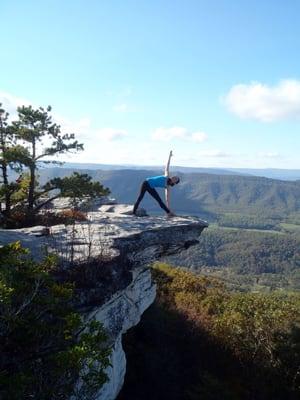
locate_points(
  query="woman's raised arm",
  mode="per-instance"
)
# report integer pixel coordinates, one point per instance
(167, 169)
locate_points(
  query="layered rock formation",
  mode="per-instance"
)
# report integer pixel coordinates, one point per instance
(108, 257)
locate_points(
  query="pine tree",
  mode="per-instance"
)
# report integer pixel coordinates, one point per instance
(12, 156)
(36, 128)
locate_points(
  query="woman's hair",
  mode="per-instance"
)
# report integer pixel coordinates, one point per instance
(170, 183)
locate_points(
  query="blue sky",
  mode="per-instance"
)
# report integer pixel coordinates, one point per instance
(217, 81)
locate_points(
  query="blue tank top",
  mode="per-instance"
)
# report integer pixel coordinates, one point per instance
(158, 181)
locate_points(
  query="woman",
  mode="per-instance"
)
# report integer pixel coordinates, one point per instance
(162, 181)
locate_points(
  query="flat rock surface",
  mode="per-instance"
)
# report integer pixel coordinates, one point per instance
(34, 243)
(106, 231)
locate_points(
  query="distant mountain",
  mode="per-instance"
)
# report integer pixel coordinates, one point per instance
(273, 173)
(105, 167)
(206, 194)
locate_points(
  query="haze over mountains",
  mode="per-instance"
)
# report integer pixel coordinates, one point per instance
(274, 173)
(208, 194)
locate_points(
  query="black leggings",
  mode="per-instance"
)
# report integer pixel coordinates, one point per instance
(147, 188)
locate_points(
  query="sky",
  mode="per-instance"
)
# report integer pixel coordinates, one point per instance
(216, 81)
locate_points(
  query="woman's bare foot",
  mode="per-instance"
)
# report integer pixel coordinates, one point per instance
(171, 215)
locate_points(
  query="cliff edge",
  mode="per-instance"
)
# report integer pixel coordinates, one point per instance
(108, 258)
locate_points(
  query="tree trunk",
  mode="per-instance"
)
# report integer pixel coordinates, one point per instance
(7, 195)
(46, 202)
(31, 189)
(32, 179)
(7, 192)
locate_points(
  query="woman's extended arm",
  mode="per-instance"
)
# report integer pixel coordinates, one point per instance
(167, 172)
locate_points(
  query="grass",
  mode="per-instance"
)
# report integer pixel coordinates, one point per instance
(290, 228)
(214, 225)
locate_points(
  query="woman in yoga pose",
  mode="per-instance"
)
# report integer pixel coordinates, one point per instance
(162, 181)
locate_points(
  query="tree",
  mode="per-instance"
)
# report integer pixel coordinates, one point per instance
(26, 143)
(12, 156)
(45, 345)
(259, 332)
(75, 186)
(35, 127)
(4, 139)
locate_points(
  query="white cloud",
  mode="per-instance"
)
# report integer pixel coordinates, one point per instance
(213, 153)
(177, 132)
(80, 127)
(167, 134)
(269, 154)
(198, 137)
(10, 103)
(111, 134)
(265, 103)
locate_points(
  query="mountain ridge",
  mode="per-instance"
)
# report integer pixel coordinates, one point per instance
(209, 194)
(275, 173)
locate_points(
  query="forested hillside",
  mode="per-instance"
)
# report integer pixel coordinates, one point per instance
(201, 341)
(246, 256)
(208, 194)
(246, 259)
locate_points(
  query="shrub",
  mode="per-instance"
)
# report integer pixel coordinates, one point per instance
(262, 329)
(45, 346)
(72, 215)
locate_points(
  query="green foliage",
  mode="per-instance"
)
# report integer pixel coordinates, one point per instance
(236, 220)
(76, 187)
(11, 157)
(35, 126)
(26, 143)
(213, 344)
(245, 257)
(256, 325)
(45, 346)
(262, 329)
(255, 195)
(290, 228)
(250, 201)
(21, 193)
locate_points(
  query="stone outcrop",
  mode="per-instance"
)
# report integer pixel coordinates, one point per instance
(108, 257)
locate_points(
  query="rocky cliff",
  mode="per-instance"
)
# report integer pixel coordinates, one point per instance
(112, 251)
